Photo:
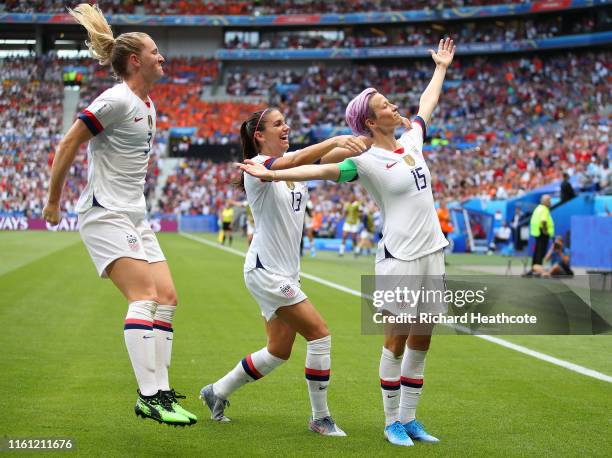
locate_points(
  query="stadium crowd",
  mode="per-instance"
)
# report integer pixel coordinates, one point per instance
(167, 7)
(503, 127)
(31, 116)
(483, 31)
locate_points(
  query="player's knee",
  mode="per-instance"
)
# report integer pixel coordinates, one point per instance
(280, 353)
(281, 350)
(168, 297)
(396, 345)
(419, 342)
(147, 293)
(318, 331)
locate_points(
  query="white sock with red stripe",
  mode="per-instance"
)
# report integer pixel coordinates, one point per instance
(140, 343)
(413, 366)
(162, 327)
(251, 368)
(389, 371)
(317, 371)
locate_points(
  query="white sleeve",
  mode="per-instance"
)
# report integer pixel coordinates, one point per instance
(416, 135)
(106, 109)
(256, 187)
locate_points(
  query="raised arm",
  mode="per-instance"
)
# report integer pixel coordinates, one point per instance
(64, 157)
(340, 147)
(443, 58)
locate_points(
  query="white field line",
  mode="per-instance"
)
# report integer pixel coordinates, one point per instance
(496, 340)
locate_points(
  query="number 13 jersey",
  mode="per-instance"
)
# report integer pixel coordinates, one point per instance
(278, 210)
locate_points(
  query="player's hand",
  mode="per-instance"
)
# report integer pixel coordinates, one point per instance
(52, 214)
(356, 145)
(255, 169)
(446, 52)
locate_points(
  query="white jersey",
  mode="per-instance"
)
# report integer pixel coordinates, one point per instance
(278, 211)
(123, 126)
(400, 183)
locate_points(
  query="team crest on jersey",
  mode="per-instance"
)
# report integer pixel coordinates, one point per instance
(287, 291)
(408, 159)
(290, 185)
(132, 241)
(150, 119)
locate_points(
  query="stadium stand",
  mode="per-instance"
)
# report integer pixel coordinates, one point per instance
(167, 7)
(481, 31)
(507, 124)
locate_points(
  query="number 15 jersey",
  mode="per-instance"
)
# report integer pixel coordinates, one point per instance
(400, 183)
(278, 210)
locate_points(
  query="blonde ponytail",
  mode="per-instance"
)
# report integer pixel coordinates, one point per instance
(101, 40)
(102, 45)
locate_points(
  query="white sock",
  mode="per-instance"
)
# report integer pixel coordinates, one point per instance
(413, 366)
(389, 371)
(162, 327)
(342, 249)
(140, 343)
(251, 368)
(317, 370)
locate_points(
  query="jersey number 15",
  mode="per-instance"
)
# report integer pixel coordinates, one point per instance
(150, 135)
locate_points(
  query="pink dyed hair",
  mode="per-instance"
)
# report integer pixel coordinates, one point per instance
(357, 112)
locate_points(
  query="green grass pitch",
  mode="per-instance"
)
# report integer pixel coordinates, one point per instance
(65, 371)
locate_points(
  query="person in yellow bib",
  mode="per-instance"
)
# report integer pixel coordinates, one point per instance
(227, 218)
(542, 228)
(351, 224)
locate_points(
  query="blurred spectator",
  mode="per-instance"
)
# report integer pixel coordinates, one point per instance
(567, 191)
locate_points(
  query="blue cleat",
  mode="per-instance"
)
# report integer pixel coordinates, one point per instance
(417, 432)
(396, 434)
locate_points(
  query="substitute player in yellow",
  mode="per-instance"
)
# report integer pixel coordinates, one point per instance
(351, 224)
(396, 175)
(227, 219)
(119, 126)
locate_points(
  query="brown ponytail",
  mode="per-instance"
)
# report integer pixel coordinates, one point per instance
(250, 148)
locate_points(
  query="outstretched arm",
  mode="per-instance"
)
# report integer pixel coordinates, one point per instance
(64, 157)
(340, 147)
(443, 58)
(301, 173)
(339, 154)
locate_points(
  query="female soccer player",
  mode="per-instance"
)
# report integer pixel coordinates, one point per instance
(395, 174)
(119, 126)
(271, 269)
